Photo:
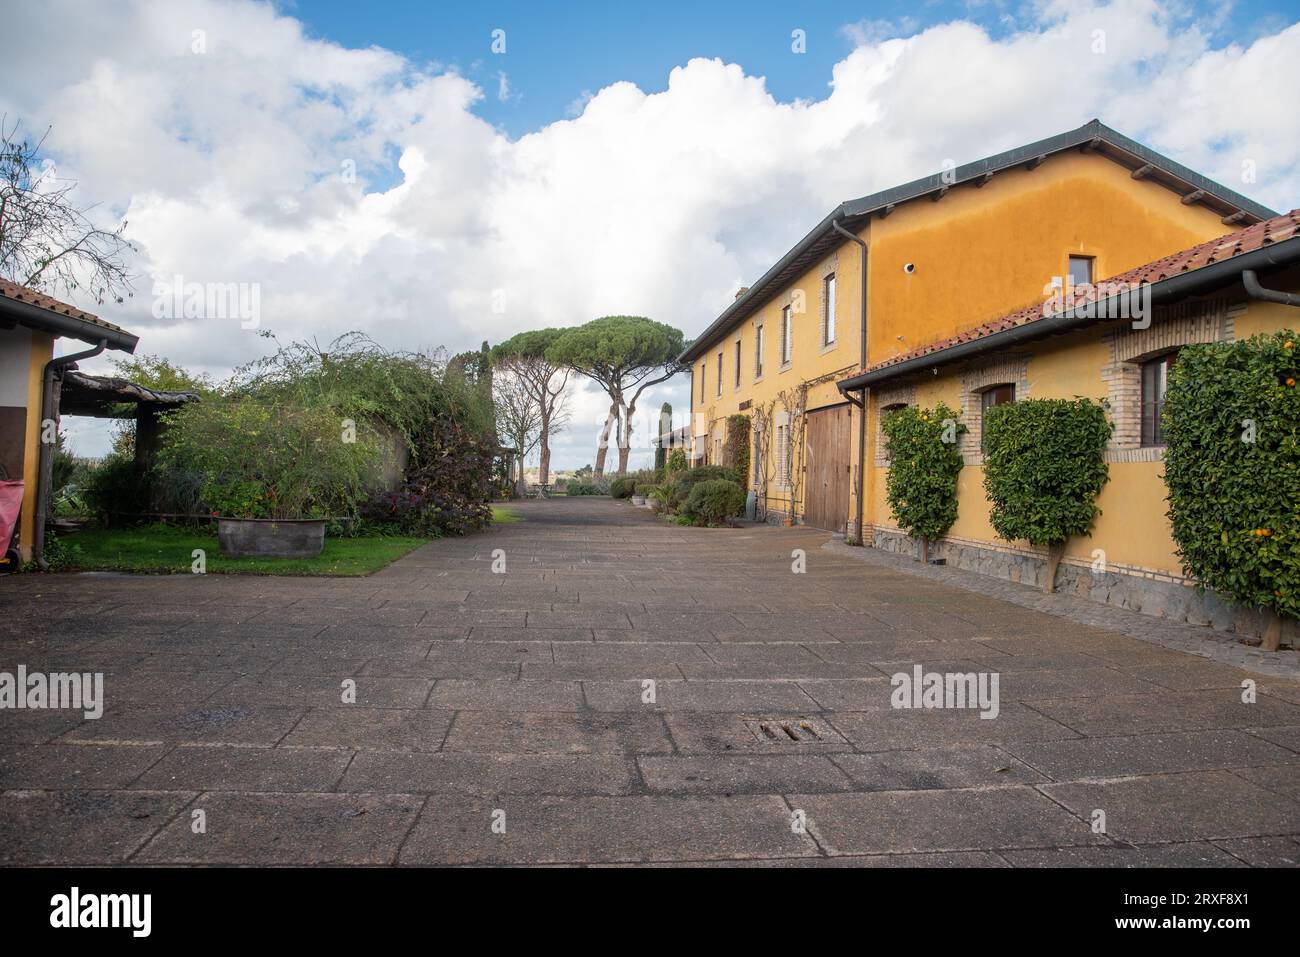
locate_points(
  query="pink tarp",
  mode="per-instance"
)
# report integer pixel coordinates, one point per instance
(11, 500)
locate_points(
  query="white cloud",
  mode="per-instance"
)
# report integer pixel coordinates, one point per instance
(228, 163)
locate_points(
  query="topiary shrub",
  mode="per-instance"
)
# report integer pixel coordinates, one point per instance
(713, 501)
(1044, 466)
(1232, 464)
(921, 485)
(622, 487)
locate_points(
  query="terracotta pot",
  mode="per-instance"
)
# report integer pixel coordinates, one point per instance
(271, 537)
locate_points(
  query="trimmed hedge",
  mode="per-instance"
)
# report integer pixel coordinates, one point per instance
(1232, 464)
(923, 466)
(583, 488)
(1044, 465)
(702, 473)
(713, 501)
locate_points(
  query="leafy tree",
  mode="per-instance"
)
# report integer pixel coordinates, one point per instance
(921, 485)
(543, 381)
(161, 374)
(625, 355)
(1044, 466)
(1232, 464)
(47, 240)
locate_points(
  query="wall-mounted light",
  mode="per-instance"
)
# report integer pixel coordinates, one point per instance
(909, 268)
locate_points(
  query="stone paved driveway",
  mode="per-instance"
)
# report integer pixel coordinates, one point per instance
(520, 699)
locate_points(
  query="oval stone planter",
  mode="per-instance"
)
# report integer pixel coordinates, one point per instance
(271, 537)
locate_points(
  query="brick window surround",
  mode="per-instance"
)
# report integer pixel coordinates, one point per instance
(1003, 370)
(897, 395)
(1171, 328)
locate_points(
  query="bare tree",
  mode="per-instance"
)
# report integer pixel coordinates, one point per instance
(47, 241)
(519, 418)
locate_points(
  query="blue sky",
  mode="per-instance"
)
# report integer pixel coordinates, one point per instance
(557, 52)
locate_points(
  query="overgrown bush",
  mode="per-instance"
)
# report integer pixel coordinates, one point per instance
(622, 487)
(924, 462)
(713, 501)
(305, 431)
(583, 488)
(676, 462)
(259, 460)
(1044, 466)
(1232, 464)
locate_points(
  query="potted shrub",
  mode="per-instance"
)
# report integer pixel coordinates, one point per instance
(272, 474)
(641, 493)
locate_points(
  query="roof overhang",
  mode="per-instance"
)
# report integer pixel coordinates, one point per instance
(1194, 282)
(1092, 137)
(19, 312)
(103, 396)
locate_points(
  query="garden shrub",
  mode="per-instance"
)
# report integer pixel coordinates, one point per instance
(1044, 466)
(260, 460)
(622, 487)
(114, 485)
(924, 461)
(1232, 464)
(644, 489)
(676, 462)
(303, 433)
(687, 480)
(583, 488)
(713, 501)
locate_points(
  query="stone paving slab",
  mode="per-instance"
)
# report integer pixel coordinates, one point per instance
(525, 693)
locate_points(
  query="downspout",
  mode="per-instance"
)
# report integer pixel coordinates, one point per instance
(862, 364)
(1256, 291)
(45, 457)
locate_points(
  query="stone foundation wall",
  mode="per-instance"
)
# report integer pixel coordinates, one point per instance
(1134, 589)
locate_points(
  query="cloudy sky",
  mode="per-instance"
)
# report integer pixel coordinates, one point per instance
(436, 178)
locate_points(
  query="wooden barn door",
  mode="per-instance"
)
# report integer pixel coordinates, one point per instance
(826, 468)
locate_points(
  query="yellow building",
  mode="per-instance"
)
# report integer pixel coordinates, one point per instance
(29, 380)
(925, 293)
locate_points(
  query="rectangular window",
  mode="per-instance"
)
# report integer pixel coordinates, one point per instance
(828, 322)
(1155, 379)
(1080, 271)
(719, 373)
(787, 336)
(758, 352)
(782, 456)
(737, 363)
(998, 395)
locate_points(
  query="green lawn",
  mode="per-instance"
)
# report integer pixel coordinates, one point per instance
(165, 548)
(502, 515)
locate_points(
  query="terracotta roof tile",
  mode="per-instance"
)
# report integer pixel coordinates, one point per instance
(1265, 233)
(11, 290)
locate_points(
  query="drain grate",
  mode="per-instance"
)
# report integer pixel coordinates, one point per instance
(790, 731)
